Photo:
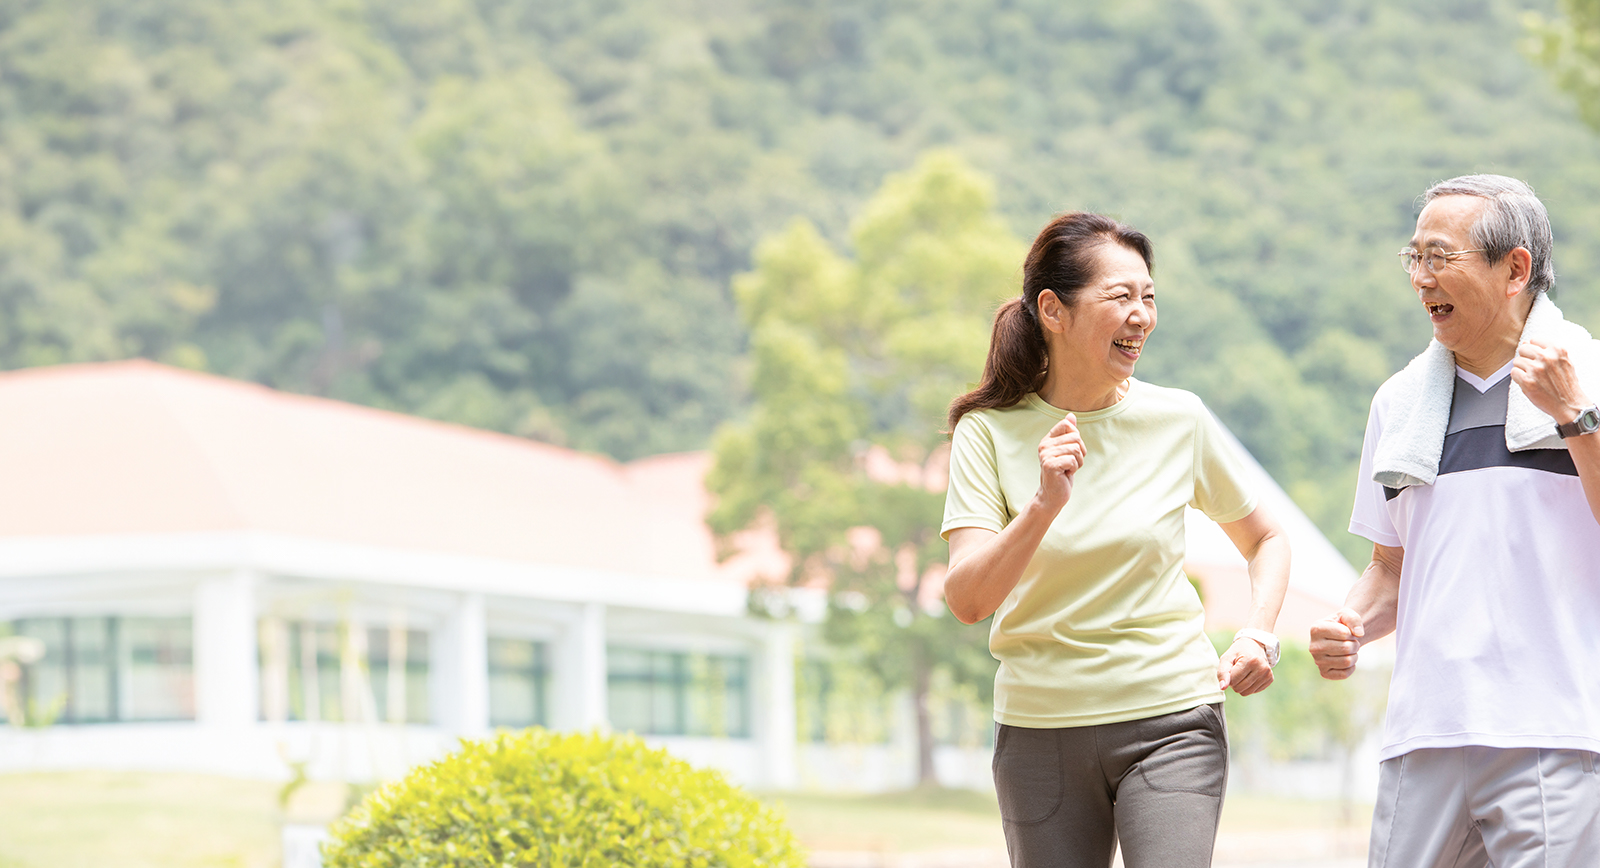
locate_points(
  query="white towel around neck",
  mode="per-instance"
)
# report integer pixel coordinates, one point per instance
(1412, 441)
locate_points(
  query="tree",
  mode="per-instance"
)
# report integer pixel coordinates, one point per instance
(1569, 48)
(525, 215)
(854, 363)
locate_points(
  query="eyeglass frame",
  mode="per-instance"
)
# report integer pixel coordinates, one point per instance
(1412, 257)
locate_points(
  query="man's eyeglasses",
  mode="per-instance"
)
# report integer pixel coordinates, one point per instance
(1433, 260)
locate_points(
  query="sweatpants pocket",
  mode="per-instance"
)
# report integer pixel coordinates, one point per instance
(1189, 753)
(1027, 773)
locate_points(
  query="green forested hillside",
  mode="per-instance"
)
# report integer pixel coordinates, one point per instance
(526, 214)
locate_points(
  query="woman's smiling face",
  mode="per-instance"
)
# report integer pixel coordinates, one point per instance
(1111, 318)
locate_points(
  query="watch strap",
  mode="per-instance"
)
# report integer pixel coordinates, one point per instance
(1268, 642)
(1587, 422)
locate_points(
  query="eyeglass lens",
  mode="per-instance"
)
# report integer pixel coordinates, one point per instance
(1432, 260)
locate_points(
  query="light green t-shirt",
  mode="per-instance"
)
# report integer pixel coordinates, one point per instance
(1103, 625)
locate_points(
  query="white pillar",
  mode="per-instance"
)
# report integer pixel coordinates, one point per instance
(580, 664)
(777, 720)
(595, 673)
(226, 684)
(461, 670)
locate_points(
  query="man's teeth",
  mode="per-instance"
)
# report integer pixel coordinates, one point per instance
(1437, 309)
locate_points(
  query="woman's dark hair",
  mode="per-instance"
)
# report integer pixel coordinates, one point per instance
(1062, 260)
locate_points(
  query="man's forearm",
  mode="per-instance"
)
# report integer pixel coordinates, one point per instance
(1376, 595)
(1585, 452)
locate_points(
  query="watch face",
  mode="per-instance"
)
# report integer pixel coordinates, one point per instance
(1589, 421)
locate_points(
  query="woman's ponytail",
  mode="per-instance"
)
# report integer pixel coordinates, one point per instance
(1015, 365)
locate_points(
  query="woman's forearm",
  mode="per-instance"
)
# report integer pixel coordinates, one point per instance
(985, 566)
(1269, 582)
(1265, 548)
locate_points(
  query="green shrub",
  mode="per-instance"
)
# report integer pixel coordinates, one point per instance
(548, 799)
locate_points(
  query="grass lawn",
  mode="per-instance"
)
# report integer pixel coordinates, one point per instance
(145, 820)
(1241, 814)
(958, 819)
(148, 820)
(893, 822)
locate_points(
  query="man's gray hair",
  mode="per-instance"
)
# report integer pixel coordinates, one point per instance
(1514, 217)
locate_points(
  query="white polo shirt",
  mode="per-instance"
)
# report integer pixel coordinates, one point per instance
(1498, 637)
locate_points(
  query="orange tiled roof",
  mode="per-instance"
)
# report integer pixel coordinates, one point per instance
(140, 448)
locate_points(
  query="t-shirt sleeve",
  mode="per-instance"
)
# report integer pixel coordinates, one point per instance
(1370, 516)
(974, 498)
(1221, 490)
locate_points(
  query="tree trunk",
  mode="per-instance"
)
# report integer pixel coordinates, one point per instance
(922, 675)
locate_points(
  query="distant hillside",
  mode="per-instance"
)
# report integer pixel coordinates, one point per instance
(525, 215)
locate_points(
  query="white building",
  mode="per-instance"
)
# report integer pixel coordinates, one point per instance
(236, 580)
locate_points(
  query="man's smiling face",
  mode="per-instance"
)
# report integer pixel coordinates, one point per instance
(1467, 301)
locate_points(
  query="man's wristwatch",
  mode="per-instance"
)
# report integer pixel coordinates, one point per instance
(1267, 641)
(1587, 422)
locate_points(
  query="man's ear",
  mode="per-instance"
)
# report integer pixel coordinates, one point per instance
(1521, 262)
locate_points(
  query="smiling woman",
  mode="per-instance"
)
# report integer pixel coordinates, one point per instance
(1065, 516)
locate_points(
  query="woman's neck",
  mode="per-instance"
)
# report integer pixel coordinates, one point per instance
(1075, 396)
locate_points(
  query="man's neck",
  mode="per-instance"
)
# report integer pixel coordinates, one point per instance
(1491, 354)
(1482, 365)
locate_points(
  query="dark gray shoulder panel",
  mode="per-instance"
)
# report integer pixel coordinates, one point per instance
(1476, 448)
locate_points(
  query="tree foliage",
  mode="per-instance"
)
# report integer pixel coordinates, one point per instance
(526, 215)
(854, 362)
(1569, 48)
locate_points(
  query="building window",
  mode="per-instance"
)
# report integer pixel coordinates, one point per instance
(322, 671)
(109, 669)
(518, 680)
(398, 663)
(958, 714)
(815, 688)
(675, 693)
(961, 721)
(840, 702)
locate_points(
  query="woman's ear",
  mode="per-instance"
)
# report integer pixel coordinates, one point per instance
(1052, 313)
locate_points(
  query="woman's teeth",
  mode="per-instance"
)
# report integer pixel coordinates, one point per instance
(1127, 345)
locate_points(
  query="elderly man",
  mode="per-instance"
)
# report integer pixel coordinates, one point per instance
(1480, 491)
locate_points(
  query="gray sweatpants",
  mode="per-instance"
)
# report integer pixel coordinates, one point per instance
(1471, 807)
(1067, 795)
